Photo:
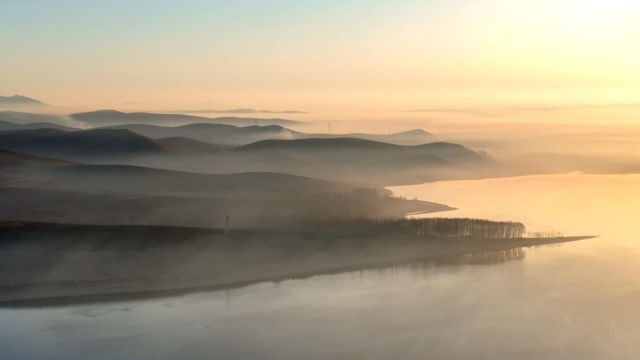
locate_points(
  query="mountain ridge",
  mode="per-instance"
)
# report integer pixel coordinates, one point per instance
(107, 117)
(20, 100)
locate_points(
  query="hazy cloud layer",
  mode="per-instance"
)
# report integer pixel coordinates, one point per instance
(499, 111)
(242, 111)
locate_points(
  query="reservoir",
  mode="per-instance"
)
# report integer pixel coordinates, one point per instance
(577, 300)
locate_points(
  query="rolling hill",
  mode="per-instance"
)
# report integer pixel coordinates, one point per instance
(355, 147)
(236, 136)
(10, 159)
(185, 145)
(356, 160)
(26, 120)
(79, 145)
(114, 117)
(227, 133)
(40, 189)
(318, 144)
(410, 137)
(219, 134)
(137, 180)
(9, 126)
(19, 101)
(352, 160)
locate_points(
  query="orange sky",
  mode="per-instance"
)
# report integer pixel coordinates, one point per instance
(329, 58)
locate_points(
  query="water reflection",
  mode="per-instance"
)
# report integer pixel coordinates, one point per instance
(491, 257)
(473, 258)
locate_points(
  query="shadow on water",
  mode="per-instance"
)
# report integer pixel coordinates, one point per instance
(469, 259)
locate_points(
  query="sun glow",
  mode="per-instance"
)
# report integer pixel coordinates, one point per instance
(328, 58)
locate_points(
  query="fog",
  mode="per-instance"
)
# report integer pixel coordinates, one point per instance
(574, 301)
(137, 213)
(536, 143)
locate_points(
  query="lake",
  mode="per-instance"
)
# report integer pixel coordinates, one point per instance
(572, 301)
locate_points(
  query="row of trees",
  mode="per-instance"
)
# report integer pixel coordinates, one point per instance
(451, 227)
(428, 227)
(468, 228)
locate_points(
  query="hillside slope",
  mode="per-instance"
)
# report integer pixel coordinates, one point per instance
(99, 143)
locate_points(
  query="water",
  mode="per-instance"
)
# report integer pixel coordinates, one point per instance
(573, 301)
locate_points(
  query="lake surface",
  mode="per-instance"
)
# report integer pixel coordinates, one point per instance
(573, 301)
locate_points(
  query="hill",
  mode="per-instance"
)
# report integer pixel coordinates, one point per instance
(235, 135)
(125, 179)
(41, 189)
(356, 160)
(114, 117)
(451, 151)
(189, 146)
(77, 145)
(20, 118)
(19, 101)
(234, 132)
(319, 144)
(351, 160)
(213, 133)
(411, 137)
(9, 159)
(6, 125)
(353, 148)
(247, 121)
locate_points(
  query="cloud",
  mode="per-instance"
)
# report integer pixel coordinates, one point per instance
(502, 111)
(475, 112)
(243, 111)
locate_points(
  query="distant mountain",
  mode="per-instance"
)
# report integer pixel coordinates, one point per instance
(104, 145)
(114, 117)
(23, 118)
(79, 145)
(355, 153)
(245, 121)
(346, 146)
(19, 101)
(354, 160)
(236, 136)
(411, 137)
(40, 189)
(451, 151)
(219, 134)
(319, 145)
(11, 126)
(241, 111)
(186, 145)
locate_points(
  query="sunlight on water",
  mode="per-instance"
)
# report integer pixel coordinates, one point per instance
(571, 203)
(574, 301)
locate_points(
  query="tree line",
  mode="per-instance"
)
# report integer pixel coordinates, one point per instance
(468, 228)
(430, 227)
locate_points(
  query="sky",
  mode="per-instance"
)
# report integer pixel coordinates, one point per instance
(324, 57)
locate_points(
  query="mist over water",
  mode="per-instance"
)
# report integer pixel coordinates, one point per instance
(237, 180)
(572, 301)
